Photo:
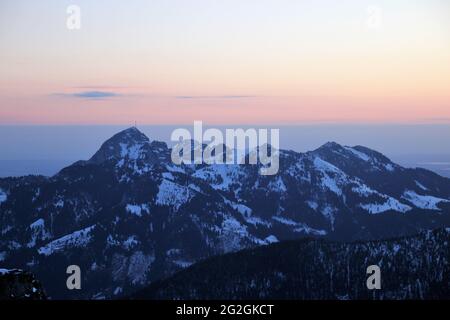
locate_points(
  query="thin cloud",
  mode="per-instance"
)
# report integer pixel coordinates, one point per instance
(106, 94)
(216, 97)
(93, 95)
(106, 87)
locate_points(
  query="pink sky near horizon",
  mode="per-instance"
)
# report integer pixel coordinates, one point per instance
(225, 62)
(239, 110)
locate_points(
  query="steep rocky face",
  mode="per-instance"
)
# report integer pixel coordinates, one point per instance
(129, 216)
(415, 267)
(17, 284)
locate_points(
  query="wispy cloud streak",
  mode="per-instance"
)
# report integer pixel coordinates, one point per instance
(93, 95)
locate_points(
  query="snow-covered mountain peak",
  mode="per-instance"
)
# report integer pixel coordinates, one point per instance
(130, 135)
(357, 158)
(330, 145)
(123, 144)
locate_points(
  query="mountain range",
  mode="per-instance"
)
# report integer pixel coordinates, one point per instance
(129, 217)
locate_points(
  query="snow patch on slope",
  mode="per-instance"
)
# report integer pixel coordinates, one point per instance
(130, 151)
(168, 176)
(130, 243)
(277, 185)
(38, 232)
(423, 202)
(389, 204)
(364, 191)
(5, 271)
(76, 239)
(139, 264)
(232, 233)
(299, 227)
(3, 196)
(312, 204)
(271, 239)
(359, 154)
(183, 263)
(421, 186)
(330, 175)
(220, 176)
(172, 194)
(138, 209)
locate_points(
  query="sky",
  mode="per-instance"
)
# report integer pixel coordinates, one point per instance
(225, 62)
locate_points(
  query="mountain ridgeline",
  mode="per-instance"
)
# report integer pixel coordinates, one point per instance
(129, 216)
